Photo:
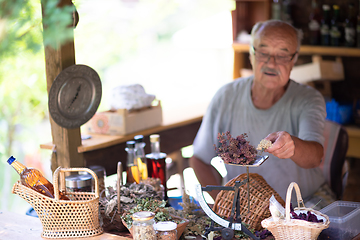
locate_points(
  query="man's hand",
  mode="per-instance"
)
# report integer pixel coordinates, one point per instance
(306, 154)
(283, 145)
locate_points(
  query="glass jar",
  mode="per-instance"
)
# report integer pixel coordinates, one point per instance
(143, 226)
(101, 174)
(166, 230)
(78, 183)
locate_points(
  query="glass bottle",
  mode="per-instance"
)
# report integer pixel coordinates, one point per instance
(350, 27)
(166, 230)
(314, 24)
(140, 154)
(286, 12)
(358, 28)
(335, 31)
(276, 10)
(325, 26)
(143, 226)
(34, 179)
(156, 162)
(132, 170)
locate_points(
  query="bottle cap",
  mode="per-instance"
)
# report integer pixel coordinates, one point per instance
(154, 138)
(165, 226)
(326, 7)
(130, 144)
(143, 216)
(11, 160)
(139, 138)
(336, 7)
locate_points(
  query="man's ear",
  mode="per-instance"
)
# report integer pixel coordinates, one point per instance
(251, 58)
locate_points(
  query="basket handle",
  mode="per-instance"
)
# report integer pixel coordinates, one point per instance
(288, 199)
(62, 171)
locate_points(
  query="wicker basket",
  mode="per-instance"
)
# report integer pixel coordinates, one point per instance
(260, 193)
(63, 218)
(294, 228)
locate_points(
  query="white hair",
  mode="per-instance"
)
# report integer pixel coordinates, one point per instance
(259, 25)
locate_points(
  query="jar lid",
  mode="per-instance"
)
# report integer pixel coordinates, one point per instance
(165, 226)
(143, 216)
(78, 181)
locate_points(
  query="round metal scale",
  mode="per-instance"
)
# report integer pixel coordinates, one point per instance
(75, 96)
(227, 227)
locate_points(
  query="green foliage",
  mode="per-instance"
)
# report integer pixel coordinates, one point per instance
(23, 95)
(57, 21)
(151, 205)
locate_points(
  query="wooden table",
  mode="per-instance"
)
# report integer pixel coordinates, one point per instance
(14, 226)
(178, 130)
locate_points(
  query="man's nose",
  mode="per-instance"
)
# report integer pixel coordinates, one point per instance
(269, 59)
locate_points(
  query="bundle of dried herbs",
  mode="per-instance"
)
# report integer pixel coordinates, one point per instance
(129, 194)
(235, 150)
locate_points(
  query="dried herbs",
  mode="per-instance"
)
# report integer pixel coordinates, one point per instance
(235, 150)
(162, 213)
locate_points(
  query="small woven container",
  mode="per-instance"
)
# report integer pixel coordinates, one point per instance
(296, 229)
(260, 193)
(63, 218)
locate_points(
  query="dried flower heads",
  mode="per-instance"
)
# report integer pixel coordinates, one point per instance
(235, 150)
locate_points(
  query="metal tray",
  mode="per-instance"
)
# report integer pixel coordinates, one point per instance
(258, 161)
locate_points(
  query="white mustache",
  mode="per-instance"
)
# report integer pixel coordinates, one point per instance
(270, 70)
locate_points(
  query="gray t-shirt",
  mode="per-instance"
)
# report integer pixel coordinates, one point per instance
(300, 112)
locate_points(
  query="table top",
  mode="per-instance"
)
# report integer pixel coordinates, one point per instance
(14, 226)
(172, 118)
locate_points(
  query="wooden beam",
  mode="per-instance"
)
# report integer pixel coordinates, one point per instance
(66, 141)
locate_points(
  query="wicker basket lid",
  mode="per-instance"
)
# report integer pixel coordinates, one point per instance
(260, 193)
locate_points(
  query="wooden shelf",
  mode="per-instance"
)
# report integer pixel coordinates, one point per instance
(172, 119)
(310, 50)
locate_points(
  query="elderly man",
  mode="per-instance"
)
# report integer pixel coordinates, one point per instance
(268, 104)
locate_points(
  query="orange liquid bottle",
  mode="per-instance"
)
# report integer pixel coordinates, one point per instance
(34, 179)
(132, 168)
(140, 154)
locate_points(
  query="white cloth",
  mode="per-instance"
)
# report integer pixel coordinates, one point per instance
(300, 112)
(130, 97)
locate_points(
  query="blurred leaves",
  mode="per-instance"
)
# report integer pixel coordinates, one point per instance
(57, 21)
(21, 25)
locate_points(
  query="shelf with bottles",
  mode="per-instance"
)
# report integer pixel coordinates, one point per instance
(310, 50)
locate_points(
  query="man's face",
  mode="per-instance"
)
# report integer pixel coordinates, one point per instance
(279, 42)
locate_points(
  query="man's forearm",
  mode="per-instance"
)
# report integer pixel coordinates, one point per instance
(206, 174)
(308, 154)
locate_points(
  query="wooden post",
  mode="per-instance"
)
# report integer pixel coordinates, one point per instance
(66, 141)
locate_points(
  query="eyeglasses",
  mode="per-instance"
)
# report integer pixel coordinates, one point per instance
(279, 59)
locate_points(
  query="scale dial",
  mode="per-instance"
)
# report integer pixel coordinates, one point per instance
(210, 213)
(75, 96)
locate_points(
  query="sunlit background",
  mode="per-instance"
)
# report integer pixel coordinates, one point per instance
(178, 50)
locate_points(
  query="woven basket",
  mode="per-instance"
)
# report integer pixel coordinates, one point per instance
(294, 228)
(63, 218)
(260, 193)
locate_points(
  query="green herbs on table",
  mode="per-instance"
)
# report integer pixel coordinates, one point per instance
(162, 213)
